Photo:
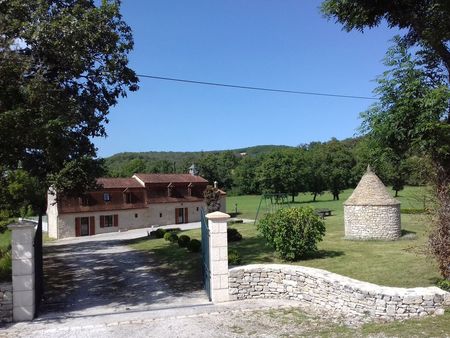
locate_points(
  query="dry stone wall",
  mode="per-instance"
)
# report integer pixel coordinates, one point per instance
(372, 222)
(6, 303)
(329, 291)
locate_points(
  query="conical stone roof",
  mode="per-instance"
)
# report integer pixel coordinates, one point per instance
(370, 191)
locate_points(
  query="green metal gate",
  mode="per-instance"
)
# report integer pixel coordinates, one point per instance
(205, 255)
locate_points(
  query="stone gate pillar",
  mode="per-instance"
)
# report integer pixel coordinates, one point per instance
(218, 255)
(22, 249)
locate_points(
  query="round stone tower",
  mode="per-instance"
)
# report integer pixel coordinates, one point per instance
(370, 212)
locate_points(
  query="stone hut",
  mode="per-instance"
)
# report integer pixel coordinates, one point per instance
(370, 212)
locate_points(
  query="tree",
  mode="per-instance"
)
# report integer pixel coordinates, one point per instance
(212, 198)
(63, 64)
(425, 21)
(278, 173)
(316, 175)
(337, 166)
(244, 176)
(412, 114)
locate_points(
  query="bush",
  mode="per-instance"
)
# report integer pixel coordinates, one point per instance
(173, 238)
(158, 233)
(5, 266)
(233, 257)
(194, 245)
(444, 284)
(292, 232)
(167, 236)
(233, 235)
(183, 241)
(413, 211)
(173, 229)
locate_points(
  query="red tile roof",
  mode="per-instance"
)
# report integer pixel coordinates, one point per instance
(168, 178)
(165, 199)
(111, 183)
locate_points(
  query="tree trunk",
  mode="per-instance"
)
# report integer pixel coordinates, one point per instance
(314, 198)
(396, 193)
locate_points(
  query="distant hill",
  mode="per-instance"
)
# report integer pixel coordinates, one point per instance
(180, 160)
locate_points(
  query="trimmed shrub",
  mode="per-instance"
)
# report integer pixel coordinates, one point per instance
(233, 235)
(173, 229)
(158, 233)
(292, 232)
(173, 238)
(233, 257)
(167, 236)
(183, 241)
(194, 245)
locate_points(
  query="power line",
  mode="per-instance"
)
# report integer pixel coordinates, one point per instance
(217, 84)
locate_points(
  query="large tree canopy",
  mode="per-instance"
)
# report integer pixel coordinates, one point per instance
(425, 21)
(63, 64)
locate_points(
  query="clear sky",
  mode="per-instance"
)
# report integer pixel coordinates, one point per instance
(265, 43)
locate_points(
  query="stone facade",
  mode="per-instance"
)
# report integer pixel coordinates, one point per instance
(332, 292)
(370, 212)
(372, 222)
(6, 303)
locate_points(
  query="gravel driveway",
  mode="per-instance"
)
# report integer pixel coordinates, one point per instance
(101, 274)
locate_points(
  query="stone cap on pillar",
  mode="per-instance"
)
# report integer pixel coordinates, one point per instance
(217, 216)
(22, 225)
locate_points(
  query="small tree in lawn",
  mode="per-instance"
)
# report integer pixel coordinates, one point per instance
(292, 232)
(212, 198)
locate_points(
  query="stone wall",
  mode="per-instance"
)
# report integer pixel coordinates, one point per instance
(6, 303)
(332, 292)
(372, 222)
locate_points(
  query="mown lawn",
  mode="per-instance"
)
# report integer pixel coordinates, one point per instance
(401, 263)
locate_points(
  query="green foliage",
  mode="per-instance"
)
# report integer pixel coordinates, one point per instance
(413, 211)
(292, 232)
(444, 284)
(158, 233)
(194, 245)
(173, 238)
(63, 64)
(233, 257)
(167, 236)
(233, 235)
(183, 241)
(212, 198)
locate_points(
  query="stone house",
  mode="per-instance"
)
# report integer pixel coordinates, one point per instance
(129, 203)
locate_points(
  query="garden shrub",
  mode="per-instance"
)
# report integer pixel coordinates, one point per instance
(5, 266)
(194, 245)
(233, 257)
(159, 233)
(173, 237)
(183, 241)
(233, 235)
(444, 284)
(167, 236)
(292, 232)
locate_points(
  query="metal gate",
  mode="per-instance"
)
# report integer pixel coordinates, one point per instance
(206, 273)
(38, 266)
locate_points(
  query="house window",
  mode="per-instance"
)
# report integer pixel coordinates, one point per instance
(84, 200)
(135, 215)
(107, 197)
(128, 198)
(84, 222)
(197, 208)
(107, 221)
(160, 214)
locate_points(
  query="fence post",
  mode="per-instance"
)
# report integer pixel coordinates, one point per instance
(22, 248)
(218, 255)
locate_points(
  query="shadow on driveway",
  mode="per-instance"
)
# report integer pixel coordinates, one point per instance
(87, 278)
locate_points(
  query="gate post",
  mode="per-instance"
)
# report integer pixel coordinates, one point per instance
(22, 249)
(218, 255)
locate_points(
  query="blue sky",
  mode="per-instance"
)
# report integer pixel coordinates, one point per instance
(265, 43)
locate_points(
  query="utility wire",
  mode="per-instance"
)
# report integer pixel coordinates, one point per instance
(217, 84)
